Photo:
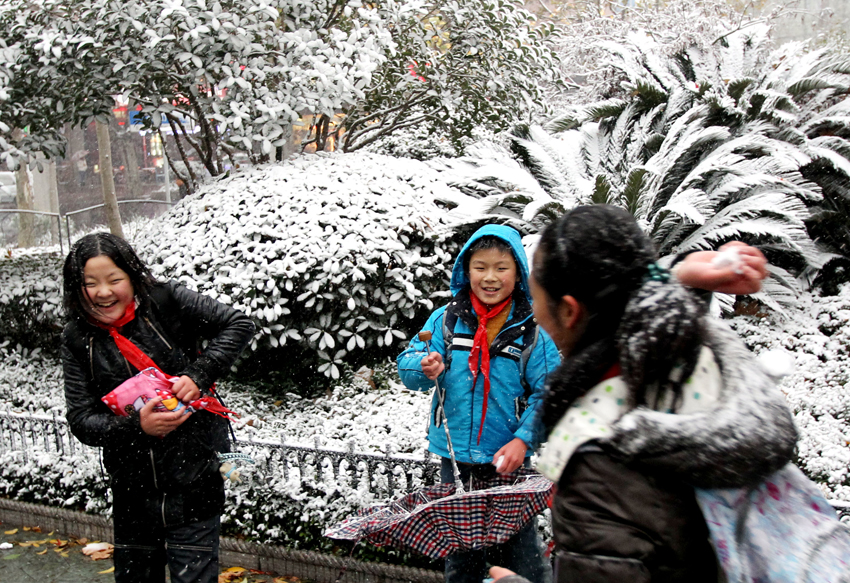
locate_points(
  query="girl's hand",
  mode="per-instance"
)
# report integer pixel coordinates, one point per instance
(432, 365)
(186, 390)
(160, 424)
(512, 455)
(698, 270)
(497, 573)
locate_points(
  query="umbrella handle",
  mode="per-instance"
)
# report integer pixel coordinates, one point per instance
(455, 471)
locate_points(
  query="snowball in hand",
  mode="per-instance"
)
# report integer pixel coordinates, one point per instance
(728, 259)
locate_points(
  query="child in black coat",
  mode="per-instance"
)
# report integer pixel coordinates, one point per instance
(167, 490)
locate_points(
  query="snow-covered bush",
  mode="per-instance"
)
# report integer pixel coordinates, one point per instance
(337, 258)
(31, 298)
(816, 335)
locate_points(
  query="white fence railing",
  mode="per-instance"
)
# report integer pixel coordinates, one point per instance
(384, 475)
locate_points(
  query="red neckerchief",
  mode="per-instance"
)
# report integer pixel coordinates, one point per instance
(141, 361)
(614, 371)
(480, 347)
(131, 352)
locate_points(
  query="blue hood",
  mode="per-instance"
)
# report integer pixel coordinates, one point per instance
(460, 279)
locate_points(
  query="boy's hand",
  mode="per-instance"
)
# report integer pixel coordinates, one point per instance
(160, 424)
(432, 365)
(698, 270)
(514, 454)
(186, 390)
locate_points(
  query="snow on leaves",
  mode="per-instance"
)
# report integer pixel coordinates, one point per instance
(338, 253)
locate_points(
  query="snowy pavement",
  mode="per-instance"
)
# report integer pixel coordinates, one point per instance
(51, 557)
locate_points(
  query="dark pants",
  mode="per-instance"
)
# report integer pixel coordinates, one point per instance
(142, 550)
(522, 553)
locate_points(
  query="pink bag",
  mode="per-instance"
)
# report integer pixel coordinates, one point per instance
(132, 394)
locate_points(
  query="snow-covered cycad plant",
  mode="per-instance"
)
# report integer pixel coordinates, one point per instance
(708, 146)
(336, 257)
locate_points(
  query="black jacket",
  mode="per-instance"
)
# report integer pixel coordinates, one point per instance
(183, 464)
(625, 509)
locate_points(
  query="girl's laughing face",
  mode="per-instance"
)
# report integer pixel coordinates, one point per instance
(108, 289)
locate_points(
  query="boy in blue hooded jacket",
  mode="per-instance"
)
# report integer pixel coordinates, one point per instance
(492, 361)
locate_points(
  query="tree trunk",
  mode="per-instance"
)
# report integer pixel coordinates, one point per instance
(107, 183)
(131, 165)
(53, 197)
(26, 221)
(24, 201)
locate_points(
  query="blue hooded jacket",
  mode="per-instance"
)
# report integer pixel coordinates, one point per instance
(521, 357)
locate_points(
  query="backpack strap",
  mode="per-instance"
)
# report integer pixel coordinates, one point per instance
(449, 322)
(529, 342)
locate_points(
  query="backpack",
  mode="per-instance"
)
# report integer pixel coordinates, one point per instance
(782, 531)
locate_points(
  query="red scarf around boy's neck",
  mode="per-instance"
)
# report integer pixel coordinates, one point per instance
(131, 352)
(481, 347)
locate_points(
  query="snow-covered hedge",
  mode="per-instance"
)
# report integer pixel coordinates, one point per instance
(31, 297)
(337, 258)
(817, 336)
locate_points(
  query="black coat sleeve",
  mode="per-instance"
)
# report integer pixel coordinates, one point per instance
(228, 331)
(88, 418)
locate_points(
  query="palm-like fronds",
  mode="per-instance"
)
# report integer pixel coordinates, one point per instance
(735, 142)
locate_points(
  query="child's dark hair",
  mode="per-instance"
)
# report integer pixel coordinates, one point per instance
(486, 242)
(95, 245)
(640, 316)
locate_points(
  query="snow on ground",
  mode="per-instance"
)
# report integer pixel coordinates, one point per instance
(816, 335)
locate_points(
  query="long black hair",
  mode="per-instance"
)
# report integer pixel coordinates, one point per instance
(639, 316)
(95, 245)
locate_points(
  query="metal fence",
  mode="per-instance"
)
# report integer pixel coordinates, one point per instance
(61, 227)
(383, 475)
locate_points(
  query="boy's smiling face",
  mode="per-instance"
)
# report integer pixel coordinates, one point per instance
(492, 275)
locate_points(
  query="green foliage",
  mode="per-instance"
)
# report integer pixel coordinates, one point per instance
(337, 258)
(456, 66)
(31, 300)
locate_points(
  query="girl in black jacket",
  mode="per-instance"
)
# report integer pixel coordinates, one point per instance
(167, 490)
(653, 399)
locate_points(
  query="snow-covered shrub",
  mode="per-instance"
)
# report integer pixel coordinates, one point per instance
(817, 337)
(31, 298)
(337, 258)
(52, 479)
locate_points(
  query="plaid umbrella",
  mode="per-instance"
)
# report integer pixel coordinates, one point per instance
(436, 522)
